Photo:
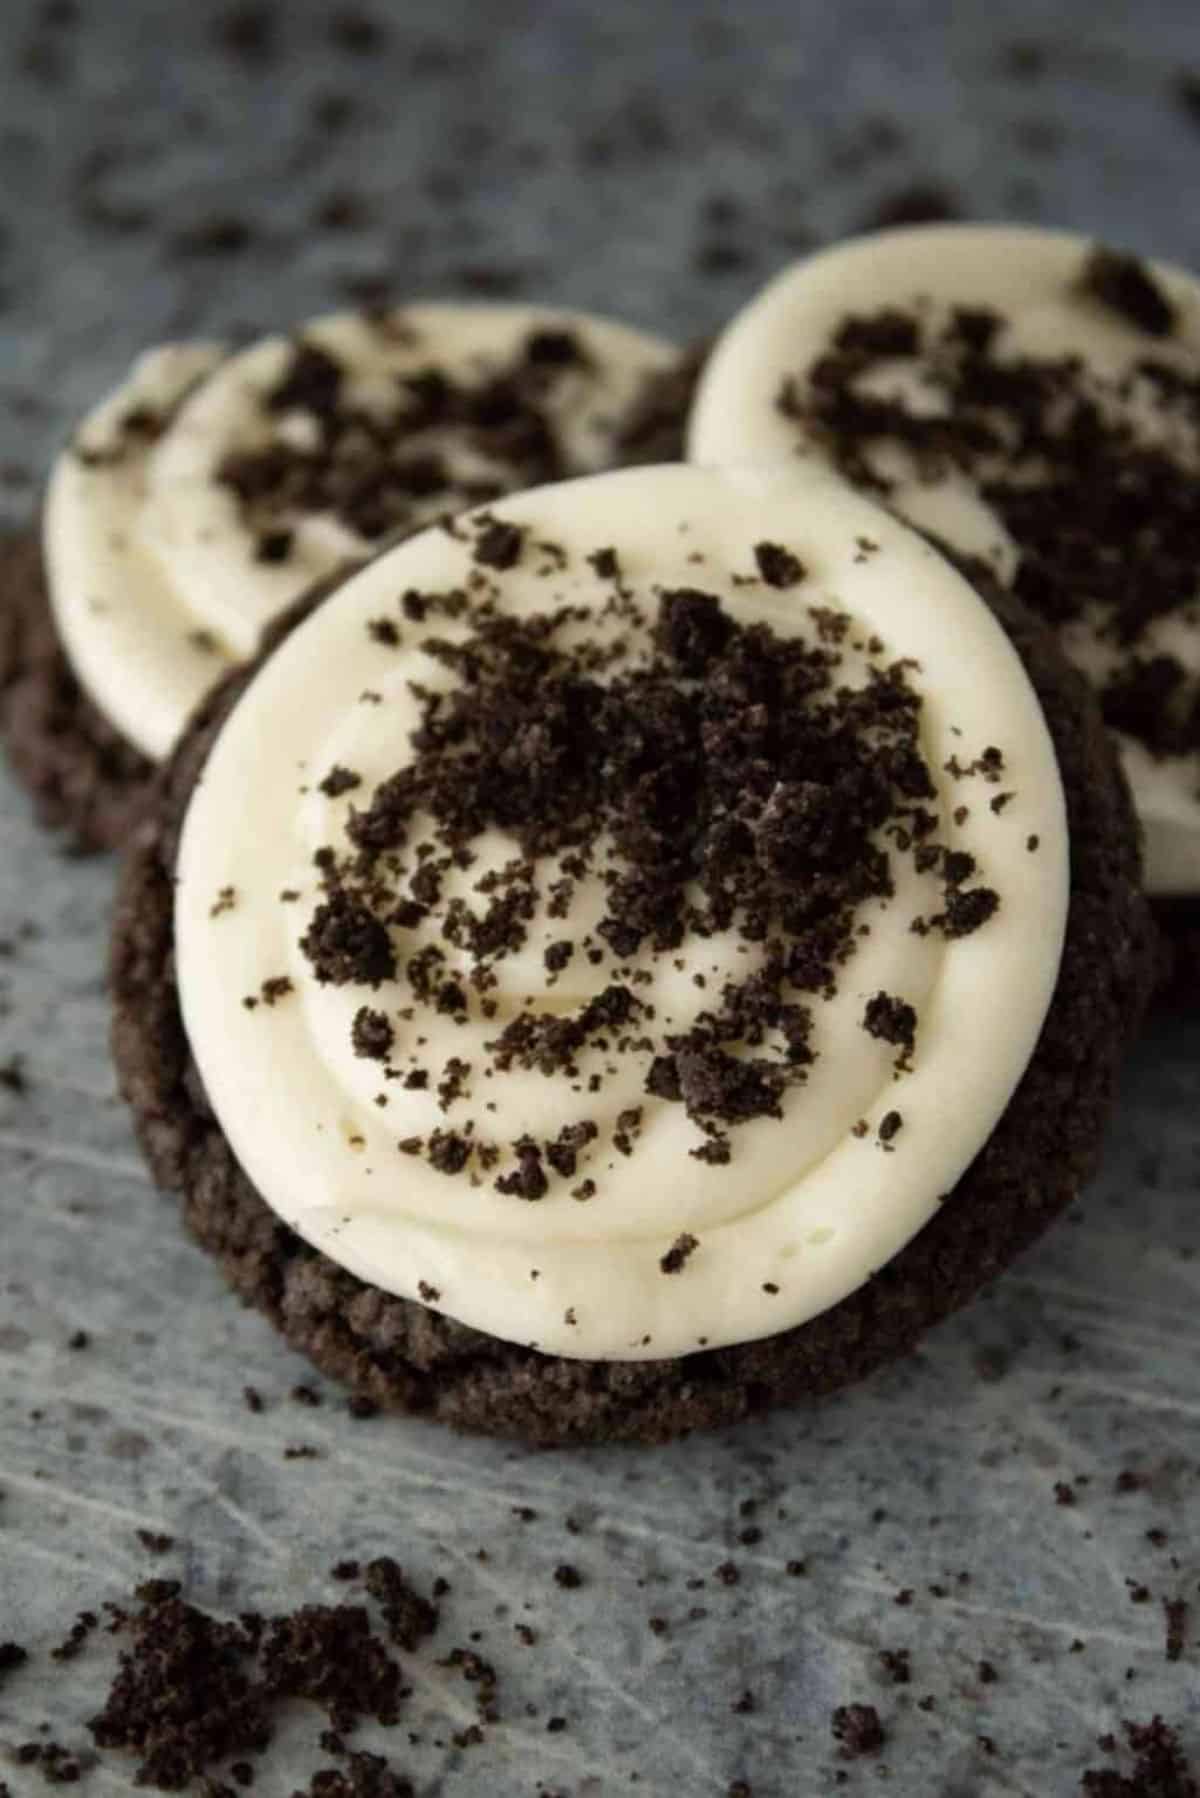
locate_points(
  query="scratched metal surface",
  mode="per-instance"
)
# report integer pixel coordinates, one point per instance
(575, 150)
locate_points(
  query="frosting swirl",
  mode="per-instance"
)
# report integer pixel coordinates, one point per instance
(600, 953)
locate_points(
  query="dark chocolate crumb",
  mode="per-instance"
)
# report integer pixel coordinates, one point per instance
(606, 563)
(408, 1616)
(1126, 286)
(78, 1634)
(57, 1765)
(498, 544)
(677, 1255)
(1159, 1771)
(891, 1020)
(448, 1151)
(273, 547)
(858, 1729)
(896, 1665)
(338, 781)
(777, 565)
(13, 1077)
(968, 912)
(184, 1697)
(346, 943)
(155, 1542)
(371, 1034)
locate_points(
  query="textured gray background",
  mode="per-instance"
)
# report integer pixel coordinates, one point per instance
(574, 150)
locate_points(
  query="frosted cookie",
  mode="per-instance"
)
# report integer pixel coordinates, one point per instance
(1033, 402)
(645, 976)
(211, 489)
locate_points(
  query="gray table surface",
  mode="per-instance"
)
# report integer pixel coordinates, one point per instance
(573, 153)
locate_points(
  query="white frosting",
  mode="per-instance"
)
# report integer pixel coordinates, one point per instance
(806, 1206)
(1028, 276)
(152, 569)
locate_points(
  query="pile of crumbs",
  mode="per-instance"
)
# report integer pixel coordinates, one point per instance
(694, 779)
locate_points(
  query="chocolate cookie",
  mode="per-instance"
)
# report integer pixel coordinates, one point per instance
(403, 1356)
(85, 779)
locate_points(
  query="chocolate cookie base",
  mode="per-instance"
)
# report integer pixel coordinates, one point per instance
(402, 1356)
(85, 779)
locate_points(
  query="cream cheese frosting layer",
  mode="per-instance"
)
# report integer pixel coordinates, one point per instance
(1137, 361)
(210, 489)
(341, 1085)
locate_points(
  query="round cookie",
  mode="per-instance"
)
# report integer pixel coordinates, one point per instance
(1032, 400)
(208, 475)
(1040, 1143)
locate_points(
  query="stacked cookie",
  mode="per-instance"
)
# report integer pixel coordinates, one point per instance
(604, 948)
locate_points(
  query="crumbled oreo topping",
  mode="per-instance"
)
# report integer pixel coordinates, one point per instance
(338, 781)
(1126, 286)
(777, 565)
(712, 777)
(441, 445)
(372, 1035)
(892, 1020)
(1050, 445)
(679, 1253)
(347, 945)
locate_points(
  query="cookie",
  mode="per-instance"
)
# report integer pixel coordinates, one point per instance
(664, 990)
(210, 475)
(85, 779)
(1033, 400)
